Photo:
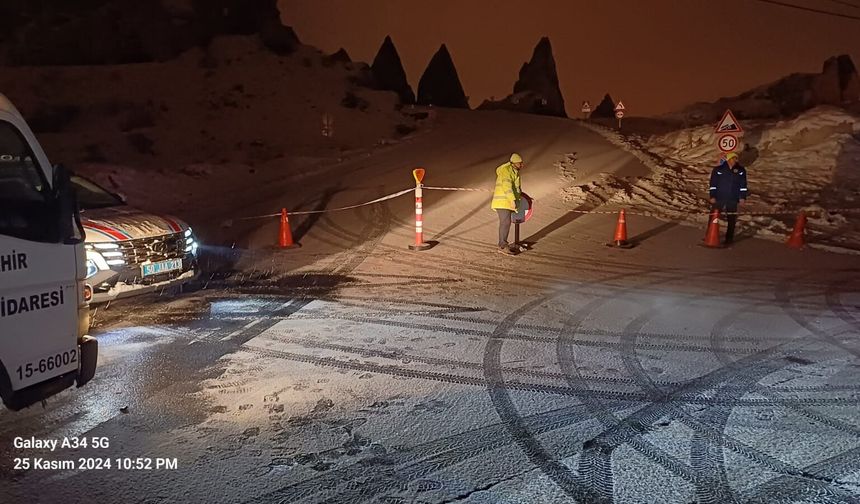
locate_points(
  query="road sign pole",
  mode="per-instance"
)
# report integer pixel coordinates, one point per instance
(619, 113)
(420, 244)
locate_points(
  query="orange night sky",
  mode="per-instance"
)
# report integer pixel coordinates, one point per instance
(655, 55)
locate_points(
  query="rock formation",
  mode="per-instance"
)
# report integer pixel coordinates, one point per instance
(440, 85)
(536, 91)
(278, 37)
(388, 73)
(605, 110)
(340, 56)
(95, 32)
(838, 85)
(539, 76)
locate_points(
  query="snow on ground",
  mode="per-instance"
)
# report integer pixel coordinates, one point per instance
(354, 370)
(460, 374)
(452, 374)
(178, 136)
(808, 163)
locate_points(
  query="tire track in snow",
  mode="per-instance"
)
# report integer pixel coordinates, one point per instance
(676, 347)
(833, 298)
(622, 433)
(785, 303)
(821, 486)
(708, 457)
(413, 462)
(594, 480)
(393, 370)
(321, 361)
(579, 487)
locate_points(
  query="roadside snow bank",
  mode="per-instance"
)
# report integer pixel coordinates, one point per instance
(809, 163)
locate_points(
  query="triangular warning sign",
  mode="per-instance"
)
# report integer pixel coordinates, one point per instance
(728, 124)
(585, 104)
(619, 106)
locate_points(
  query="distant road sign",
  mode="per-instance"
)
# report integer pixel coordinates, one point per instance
(728, 124)
(586, 107)
(327, 125)
(620, 106)
(619, 114)
(728, 143)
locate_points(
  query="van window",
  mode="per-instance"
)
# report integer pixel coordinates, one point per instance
(26, 205)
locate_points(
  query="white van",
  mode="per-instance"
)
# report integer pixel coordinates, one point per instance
(44, 315)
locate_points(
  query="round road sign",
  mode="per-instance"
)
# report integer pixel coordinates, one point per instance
(619, 114)
(524, 209)
(728, 143)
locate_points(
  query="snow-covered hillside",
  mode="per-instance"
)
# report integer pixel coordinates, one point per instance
(195, 132)
(811, 163)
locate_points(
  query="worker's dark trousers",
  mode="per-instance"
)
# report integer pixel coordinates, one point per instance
(504, 225)
(730, 207)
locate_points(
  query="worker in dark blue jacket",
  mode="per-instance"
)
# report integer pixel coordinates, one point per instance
(728, 191)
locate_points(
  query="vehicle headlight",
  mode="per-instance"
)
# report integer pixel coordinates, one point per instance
(190, 242)
(92, 269)
(95, 263)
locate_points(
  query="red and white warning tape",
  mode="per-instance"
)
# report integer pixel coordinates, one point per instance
(629, 211)
(309, 212)
(651, 213)
(350, 207)
(809, 211)
(456, 189)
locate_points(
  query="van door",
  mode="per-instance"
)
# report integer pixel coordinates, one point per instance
(38, 274)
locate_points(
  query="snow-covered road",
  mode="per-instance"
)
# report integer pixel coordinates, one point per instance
(354, 370)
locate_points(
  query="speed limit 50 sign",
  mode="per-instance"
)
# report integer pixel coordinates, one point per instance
(728, 143)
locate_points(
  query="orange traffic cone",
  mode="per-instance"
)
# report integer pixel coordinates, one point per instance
(620, 239)
(712, 236)
(286, 235)
(797, 239)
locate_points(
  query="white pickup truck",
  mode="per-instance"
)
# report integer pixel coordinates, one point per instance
(44, 315)
(130, 251)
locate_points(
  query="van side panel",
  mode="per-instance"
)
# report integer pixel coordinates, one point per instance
(38, 310)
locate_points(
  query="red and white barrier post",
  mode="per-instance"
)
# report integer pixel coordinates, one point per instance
(420, 244)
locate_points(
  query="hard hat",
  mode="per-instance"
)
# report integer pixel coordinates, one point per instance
(731, 155)
(516, 158)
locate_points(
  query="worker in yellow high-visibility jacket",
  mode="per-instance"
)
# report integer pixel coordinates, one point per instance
(506, 197)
